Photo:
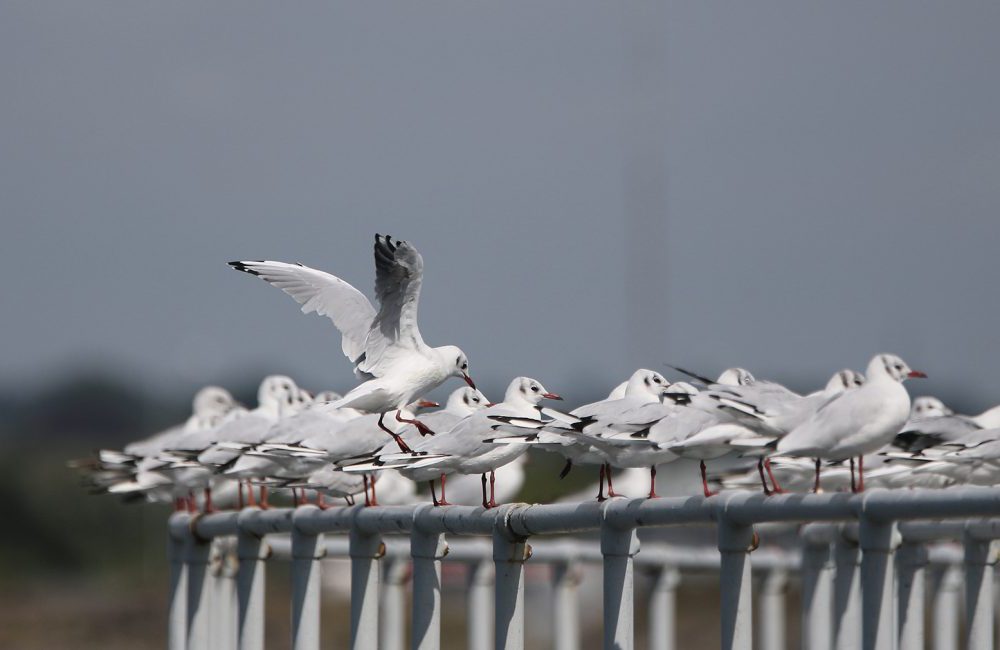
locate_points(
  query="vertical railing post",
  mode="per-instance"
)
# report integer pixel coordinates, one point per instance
(196, 559)
(663, 608)
(307, 551)
(911, 561)
(251, 551)
(222, 574)
(947, 585)
(177, 613)
(618, 546)
(772, 610)
(509, 554)
(365, 550)
(817, 589)
(479, 622)
(736, 541)
(978, 562)
(565, 605)
(846, 590)
(392, 617)
(878, 540)
(426, 548)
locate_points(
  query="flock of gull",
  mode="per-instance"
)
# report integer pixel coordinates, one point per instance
(382, 437)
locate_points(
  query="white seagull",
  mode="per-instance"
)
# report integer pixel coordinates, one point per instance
(384, 345)
(192, 460)
(465, 448)
(627, 411)
(856, 422)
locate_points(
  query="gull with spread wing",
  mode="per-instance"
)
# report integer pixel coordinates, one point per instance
(384, 345)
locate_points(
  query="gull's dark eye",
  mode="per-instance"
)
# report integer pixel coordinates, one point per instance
(534, 389)
(656, 380)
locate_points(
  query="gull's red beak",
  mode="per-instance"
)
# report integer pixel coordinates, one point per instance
(427, 404)
(916, 374)
(489, 404)
(551, 396)
(469, 381)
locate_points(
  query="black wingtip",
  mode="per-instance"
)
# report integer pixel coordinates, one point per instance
(242, 266)
(693, 375)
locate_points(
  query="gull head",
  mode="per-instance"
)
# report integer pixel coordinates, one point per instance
(646, 383)
(928, 407)
(736, 377)
(889, 365)
(213, 401)
(466, 400)
(846, 379)
(452, 357)
(280, 394)
(526, 389)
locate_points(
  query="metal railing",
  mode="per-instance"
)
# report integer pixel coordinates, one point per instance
(863, 567)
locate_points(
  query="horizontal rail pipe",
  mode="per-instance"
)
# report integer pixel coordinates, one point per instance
(523, 520)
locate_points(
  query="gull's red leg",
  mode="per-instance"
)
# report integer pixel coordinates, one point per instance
(421, 427)
(611, 487)
(434, 498)
(403, 447)
(485, 503)
(600, 485)
(493, 483)
(704, 480)
(443, 501)
(775, 487)
(371, 482)
(816, 486)
(861, 473)
(652, 482)
(763, 481)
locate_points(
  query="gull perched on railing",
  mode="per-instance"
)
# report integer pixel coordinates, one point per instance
(347, 441)
(191, 461)
(636, 407)
(933, 424)
(466, 448)
(767, 408)
(384, 345)
(855, 422)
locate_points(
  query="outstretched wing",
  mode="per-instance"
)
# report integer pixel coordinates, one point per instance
(399, 271)
(325, 294)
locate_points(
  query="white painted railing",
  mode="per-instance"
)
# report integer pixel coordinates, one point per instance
(862, 569)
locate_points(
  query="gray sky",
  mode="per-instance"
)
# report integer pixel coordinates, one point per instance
(594, 186)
